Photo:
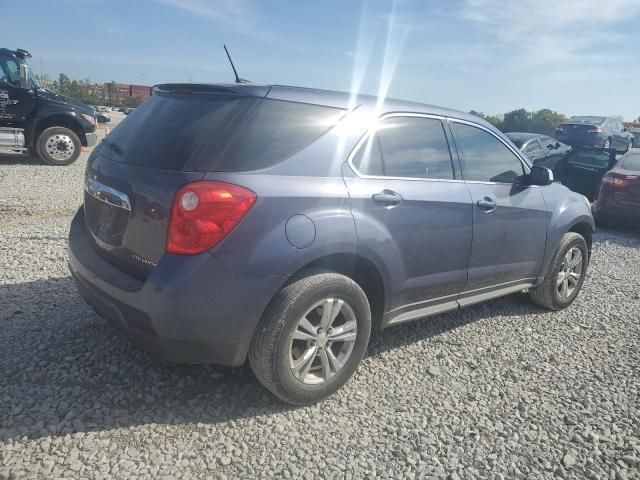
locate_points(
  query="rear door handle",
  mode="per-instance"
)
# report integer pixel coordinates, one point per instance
(388, 198)
(487, 204)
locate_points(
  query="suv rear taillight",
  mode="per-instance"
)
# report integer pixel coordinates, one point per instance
(615, 180)
(203, 213)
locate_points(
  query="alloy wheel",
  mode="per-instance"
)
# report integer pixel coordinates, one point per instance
(323, 341)
(570, 273)
(60, 147)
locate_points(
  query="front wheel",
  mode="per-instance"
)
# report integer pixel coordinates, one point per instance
(312, 338)
(58, 146)
(566, 274)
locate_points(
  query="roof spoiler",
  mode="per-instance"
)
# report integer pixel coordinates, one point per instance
(245, 90)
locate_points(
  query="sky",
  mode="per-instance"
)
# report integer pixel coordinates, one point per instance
(573, 56)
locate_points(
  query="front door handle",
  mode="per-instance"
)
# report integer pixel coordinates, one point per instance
(487, 204)
(388, 198)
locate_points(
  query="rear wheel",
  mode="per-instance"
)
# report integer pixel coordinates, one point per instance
(312, 338)
(58, 146)
(566, 274)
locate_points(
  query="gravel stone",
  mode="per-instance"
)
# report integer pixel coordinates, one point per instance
(521, 392)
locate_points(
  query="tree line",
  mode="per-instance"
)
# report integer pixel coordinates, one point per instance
(88, 92)
(542, 121)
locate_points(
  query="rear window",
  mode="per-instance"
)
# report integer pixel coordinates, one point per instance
(632, 162)
(167, 129)
(215, 132)
(587, 120)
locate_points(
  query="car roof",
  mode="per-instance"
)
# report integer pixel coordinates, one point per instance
(330, 98)
(587, 119)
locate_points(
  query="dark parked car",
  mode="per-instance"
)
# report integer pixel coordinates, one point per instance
(601, 132)
(540, 149)
(282, 224)
(102, 117)
(619, 193)
(583, 168)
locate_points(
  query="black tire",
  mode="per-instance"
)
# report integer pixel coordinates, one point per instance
(69, 146)
(547, 294)
(271, 347)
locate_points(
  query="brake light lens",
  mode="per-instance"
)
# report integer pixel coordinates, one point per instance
(203, 213)
(615, 180)
(595, 130)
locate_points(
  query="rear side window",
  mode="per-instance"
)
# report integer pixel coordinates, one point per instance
(532, 146)
(484, 157)
(410, 147)
(274, 131)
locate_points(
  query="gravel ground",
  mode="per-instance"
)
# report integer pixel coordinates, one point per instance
(499, 390)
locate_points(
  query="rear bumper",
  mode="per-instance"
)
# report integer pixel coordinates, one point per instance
(189, 309)
(608, 209)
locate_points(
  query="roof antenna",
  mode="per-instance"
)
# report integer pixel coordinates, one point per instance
(235, 72)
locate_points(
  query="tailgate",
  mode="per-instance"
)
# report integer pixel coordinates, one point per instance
(127, 211)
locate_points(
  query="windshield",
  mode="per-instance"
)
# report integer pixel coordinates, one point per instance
(632, 162)
(31, 78)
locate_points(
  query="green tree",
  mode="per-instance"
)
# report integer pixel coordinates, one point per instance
(492, 119)
(518, 120)
(545, 121)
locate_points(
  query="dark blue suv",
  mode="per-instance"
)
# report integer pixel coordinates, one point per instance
(283, 224)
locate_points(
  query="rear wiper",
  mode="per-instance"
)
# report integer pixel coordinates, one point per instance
(113, 147)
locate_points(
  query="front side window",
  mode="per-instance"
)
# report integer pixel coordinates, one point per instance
(484, 157)
(409, 147)
(590, 158)
(9, 71)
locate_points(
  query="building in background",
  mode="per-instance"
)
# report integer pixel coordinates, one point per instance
(123, 91)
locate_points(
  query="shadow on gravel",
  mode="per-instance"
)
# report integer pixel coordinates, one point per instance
(431, 327)
(64, 370)
(21, 160)
(623, 235)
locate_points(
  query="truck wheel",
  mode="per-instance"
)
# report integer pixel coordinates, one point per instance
(311, 338)
(566, 274)
(58, 146)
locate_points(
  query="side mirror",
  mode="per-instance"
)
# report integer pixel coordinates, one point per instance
(24, 76)
(540, 176)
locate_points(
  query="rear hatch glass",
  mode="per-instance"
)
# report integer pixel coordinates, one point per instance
(215, 132)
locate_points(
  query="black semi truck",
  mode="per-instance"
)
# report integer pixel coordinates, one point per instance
(35, 120)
